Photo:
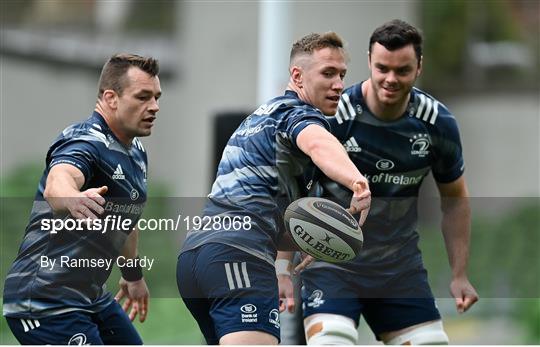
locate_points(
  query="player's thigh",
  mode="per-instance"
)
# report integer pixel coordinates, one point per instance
(248, 338)
(427, 333)
(73, 328)
(410, 304)
(242, 290)
(330, 329)
(194, 298)
(115, 328)
(329, 290)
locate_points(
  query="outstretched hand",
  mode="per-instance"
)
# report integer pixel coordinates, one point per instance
(361, 200)
(88, 204)
(136, 296)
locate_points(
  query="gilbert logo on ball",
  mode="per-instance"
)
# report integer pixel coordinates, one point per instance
(323, 229)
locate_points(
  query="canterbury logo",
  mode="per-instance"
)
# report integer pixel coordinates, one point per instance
(240, 273)
(29, 324)
(118, 173)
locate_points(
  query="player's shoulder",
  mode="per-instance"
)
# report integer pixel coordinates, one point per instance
(137, 144)
(350, 101)
(426, 108)
(92, 130)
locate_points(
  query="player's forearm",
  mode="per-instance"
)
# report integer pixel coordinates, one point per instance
(283, 263)
(456, 228)
(329, 155)
(334, 162)
(62, 183)
(130, 249)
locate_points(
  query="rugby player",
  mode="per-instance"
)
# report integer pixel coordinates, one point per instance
(226, 276)
(395, 134)
(54, 292)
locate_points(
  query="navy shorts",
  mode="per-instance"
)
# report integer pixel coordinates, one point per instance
(402, 301)
(228, 290)
(108, 327)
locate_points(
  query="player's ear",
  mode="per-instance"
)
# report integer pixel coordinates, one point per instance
(420, 62)
(296, 75)
(111, 98)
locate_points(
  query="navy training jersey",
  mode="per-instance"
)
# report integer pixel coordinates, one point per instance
(395, 156)
(259, 174)
(36, 291)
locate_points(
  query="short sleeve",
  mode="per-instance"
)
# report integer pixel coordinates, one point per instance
(449, 164)
(79, 153)
(300, 120)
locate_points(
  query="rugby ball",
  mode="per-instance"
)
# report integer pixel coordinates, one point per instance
(323, 229)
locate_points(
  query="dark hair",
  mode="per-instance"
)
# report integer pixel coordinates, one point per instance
(314, 41)
(397, 34)
(113, 74)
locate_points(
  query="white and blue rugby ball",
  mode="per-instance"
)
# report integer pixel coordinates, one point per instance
(323, 229)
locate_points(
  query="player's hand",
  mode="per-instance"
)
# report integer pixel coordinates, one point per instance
(136, 294)
(88, 204)
(361, 199)
(306, 261)
(286, 293)
(464, 293)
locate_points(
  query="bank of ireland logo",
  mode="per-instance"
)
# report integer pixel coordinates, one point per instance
(248, 308)
(384, 164)
(316, 298)
(420, 145)
(249, 313)
(273, 318)
(77, 340)
(134, 194)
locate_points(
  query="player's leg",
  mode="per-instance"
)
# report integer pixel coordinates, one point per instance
(407, 316)
(248, 338)
(244, 294)
(331, 307)
(73, 328)
(115, 328)
(195, 300)
(330, 329)
(428, 333)
(240, 295)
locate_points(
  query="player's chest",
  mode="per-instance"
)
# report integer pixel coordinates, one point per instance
(406, 149)
(125, 176)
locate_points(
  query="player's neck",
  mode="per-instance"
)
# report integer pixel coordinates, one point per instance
(106, 114)
(299, 91)
(380, 110)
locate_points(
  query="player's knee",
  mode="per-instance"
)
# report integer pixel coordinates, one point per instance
(330, 329)
(428, 334)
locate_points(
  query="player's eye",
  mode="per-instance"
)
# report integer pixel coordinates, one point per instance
(403, 71)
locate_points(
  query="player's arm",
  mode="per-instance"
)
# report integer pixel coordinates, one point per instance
(62, 192)
(132, 284)
(283, 266)
(330, 156)
(456, 228)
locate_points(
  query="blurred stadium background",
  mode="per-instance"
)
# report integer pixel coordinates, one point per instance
(482, 59)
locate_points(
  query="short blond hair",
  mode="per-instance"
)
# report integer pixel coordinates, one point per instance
(314, 41)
